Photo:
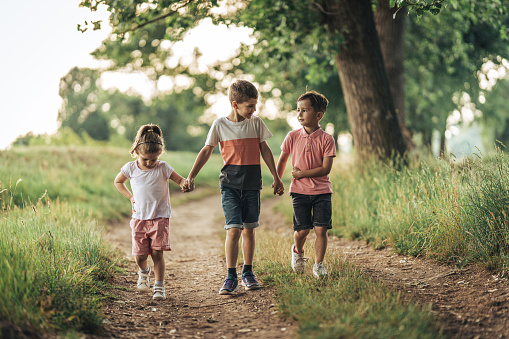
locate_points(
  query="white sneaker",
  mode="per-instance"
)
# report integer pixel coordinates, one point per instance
(144, 280)
(298, 261)
(319, 270)
(159, 292)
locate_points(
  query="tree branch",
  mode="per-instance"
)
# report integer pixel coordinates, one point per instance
(161, 17)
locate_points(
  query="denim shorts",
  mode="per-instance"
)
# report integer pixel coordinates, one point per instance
(311, 210)
(241, 207)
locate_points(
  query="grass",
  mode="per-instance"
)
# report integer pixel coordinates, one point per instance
(452, 212)
(54, 266)
(345, 304)
(82, 176)
(52, 260)
(54, 263)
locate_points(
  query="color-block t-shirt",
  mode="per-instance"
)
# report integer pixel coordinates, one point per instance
(307, 152)
(150, 190)
(239, 143)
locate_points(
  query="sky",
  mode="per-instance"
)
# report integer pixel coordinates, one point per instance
(40, 44)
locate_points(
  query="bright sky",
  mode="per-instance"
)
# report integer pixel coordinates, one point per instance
(40, 43)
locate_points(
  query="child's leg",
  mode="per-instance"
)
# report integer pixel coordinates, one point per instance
(143, 283)
(299, 238)
(142, 262)
(320, 243)
(159, 268)
(248, 245)
(231, 246)
(159, 264)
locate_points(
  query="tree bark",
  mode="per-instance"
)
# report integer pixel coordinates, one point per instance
(391, 33)
(371, 111)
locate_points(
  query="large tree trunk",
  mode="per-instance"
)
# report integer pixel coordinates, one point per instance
(371, 112)
(391, 33)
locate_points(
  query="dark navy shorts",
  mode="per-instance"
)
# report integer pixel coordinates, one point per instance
(241, 207)
(311, 210)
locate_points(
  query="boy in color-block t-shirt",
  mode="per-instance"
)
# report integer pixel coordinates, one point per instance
(312, 151)
(242, 139)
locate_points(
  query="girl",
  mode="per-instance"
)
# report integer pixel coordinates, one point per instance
(150, 201)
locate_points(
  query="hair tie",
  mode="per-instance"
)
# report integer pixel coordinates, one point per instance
(150, 130)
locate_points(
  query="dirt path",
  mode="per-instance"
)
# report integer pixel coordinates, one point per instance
(195, 270)
(469, 302)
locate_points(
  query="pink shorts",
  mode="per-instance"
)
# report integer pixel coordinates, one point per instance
(150, 235)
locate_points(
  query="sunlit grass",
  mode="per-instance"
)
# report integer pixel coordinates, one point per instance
(453, 212)
(53, 261)
(345, 304)
(82, 176)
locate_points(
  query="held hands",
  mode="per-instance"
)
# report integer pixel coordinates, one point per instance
(278, 187)
(188, 185)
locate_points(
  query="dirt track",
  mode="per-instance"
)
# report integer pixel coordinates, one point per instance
(469, 303)
(194, 274)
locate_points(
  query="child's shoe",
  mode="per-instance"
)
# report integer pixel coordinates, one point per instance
(143, 280)
(229, 286)
(319, 270)
(298, 261)
(249, 281)
(159, 292)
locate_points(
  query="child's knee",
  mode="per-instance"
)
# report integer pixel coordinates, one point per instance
(141, 258)
(157, 255)
(234, 233)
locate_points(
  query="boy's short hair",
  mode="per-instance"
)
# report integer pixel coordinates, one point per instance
(241, 91)
(318, 101)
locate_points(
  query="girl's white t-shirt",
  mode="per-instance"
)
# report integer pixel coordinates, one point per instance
(150, 190)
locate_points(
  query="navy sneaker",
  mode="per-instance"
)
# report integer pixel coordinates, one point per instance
(229, 286)
(249, 281)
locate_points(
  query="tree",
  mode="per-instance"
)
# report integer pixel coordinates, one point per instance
(80, 110)
(299, 43)
(102, 113)
(348, 35)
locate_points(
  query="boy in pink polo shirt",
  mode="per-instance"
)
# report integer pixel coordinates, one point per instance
(312, 152)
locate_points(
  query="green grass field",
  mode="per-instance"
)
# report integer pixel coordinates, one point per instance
(54, 263)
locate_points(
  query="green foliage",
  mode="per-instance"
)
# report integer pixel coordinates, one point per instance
(53, 263)
(295, 50)
(106, 115)
(82, 176)
(452, 212)
(443, 56)
(345, 304)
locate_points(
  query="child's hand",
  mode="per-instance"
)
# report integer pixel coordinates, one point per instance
(132, 204)
(188, 185)
(297, 173)
(278, 187)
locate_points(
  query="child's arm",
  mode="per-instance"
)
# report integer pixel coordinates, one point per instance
(269, 160)
(122, 188)
(178, 179)
(314, 172)
(281, 164)
(200, 161)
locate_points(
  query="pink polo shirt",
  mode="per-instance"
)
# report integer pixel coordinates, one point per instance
(307, 152)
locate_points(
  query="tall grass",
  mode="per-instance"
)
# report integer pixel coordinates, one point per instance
(345, 304)
(82, 176)
(52, 260)
(453, 212)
